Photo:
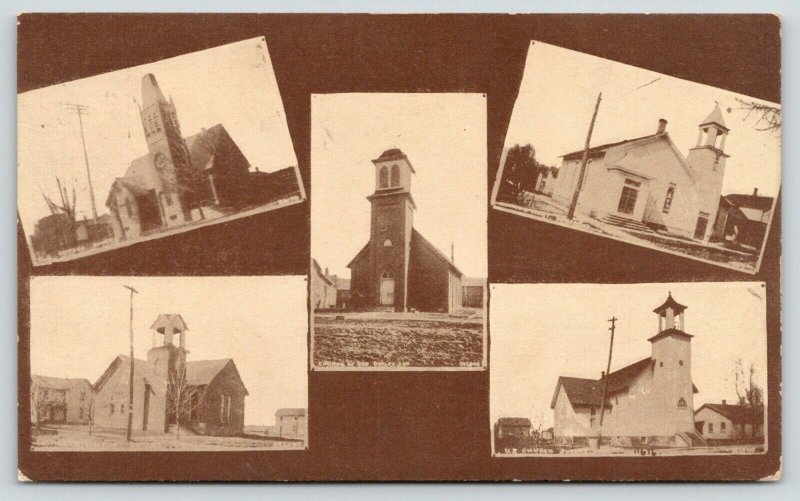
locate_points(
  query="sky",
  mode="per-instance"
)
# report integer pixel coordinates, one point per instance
(444, 137)
(80, 324)
(559, 89)
(543, 331)
(233, 85)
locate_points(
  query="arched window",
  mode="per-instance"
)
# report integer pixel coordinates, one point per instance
(395, 175)
(681, 403)
(387, 274)
(387, 243)
(384, 178)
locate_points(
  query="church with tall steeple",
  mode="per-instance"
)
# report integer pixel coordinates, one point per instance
(647, 183)
(399, 269)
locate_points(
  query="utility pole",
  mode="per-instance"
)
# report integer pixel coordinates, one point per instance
(81, 110)
(584, 160)
(613, 321)
(130, 382)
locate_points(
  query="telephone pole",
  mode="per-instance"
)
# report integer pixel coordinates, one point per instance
(584, 160)
(130, 382)
(81, 110)
(613, 321)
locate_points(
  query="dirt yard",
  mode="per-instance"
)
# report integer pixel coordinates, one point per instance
(76, 438)
(373, 339)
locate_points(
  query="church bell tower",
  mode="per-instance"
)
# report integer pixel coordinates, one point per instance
(390, 231)
(164, 359)
(168, 150)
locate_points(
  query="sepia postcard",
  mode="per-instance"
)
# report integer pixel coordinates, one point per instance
(629, 369)
(168, 363)
(641, 157)
(398, 231)
(151, 151)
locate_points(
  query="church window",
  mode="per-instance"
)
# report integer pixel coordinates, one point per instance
(80, 413)
(129, 208)
(680, 362)
(711, 427)
(387, 274)
(395, 176)
(591, 422)
(122, 408)
(661, 364)
(387, 243)
(668, 198)
(681, 403)
(168, 199)
(627, 200)
(722, 426)
(384, 177)
(111, 408)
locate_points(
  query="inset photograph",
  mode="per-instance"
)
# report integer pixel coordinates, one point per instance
(398, 231)
(644, 158)
(152, 150)
(168, 363)
(628, 370)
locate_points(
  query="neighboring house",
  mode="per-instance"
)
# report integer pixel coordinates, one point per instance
(647, 402)
(291, 423)
(398, 268)
(647, 182)
(512, 427)
(472, 292)
(743, 219)
(342, 291)
(60, 400)
(725, 422)
(323, 288)
(212, 392)
(183, 179)
(58, 232)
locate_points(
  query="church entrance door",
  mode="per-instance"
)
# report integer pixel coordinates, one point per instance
(387, 291)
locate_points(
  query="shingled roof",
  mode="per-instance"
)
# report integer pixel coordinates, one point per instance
(583, 391)
(738, 414)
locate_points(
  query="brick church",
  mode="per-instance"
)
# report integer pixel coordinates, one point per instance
(398, 268)
(211, 392)
(648, 402)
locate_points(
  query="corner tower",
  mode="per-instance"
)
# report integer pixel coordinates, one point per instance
(164, 359)
(392, 220)
(673, 390)
(707, 160)
(165, 142)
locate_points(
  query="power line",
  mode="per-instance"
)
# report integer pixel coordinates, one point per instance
(81, 110)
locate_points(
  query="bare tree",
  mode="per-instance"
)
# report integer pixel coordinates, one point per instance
(182, 397)
(750, 394)
(768, 117)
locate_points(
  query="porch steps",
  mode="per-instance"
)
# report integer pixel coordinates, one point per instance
(696, 439)
(624, 222)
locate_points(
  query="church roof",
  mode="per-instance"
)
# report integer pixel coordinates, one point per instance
(736, 413)
(141, 370)
(212, 147)
(598, 151)
(584, 391)
(715, 117)
(394, 154)
(670, 303)
(440, 254)
(173, 320)
(200, 372)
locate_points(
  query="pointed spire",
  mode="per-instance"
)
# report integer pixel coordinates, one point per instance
(151, 92)
(670, 303)
(715, 117)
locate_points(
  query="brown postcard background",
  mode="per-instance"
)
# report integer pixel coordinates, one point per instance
(403, 426)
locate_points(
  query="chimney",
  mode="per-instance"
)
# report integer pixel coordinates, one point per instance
(662, 126)
(724, 402)
(326, 271)
(755, 192)
(452, 252)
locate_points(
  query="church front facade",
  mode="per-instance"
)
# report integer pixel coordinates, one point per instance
(649, 402)
(648, 181)
(398, 268)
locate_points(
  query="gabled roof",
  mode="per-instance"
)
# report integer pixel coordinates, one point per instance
(200, 372)
(58, 383)
(342, 284)
(736, 413)
(715, 117)
(514, 421)
(598, 151)
(670, 303)
(364, 252)
(127, 184)
(170, 320)
(141, 370)
(211, 145)
(584, 391)
(291, 412)
(417, 235)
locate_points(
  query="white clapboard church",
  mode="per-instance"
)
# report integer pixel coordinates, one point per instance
(647, 182)
(649, 402)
